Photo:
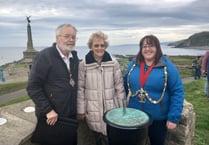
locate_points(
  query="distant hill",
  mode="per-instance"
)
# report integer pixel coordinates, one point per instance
(198, 39)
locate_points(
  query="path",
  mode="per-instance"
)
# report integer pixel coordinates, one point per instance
(7, 97)
(187, 80)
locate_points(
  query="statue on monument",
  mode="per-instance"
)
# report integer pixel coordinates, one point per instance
(28, 19)
(30, 41)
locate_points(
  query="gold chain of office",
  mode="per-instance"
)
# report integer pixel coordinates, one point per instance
(141, 91)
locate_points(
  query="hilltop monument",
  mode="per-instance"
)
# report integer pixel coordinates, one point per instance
(30, 53)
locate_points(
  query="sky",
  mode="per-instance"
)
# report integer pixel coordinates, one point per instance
(124, 21)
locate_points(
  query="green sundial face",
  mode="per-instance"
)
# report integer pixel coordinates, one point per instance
(132, 117)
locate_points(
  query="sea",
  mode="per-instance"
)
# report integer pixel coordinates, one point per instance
(11, 54)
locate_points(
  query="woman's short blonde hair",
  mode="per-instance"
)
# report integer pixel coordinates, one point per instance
(98, 35)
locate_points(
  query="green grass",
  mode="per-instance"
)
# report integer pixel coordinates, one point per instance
(15, 64)
(11, 87)
(18, 100)
(186, 73)
(182, 60)
(194, 94)
(183, 64)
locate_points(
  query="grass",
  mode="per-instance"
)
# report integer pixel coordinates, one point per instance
(183, 64)
(11, 87)
(182, 60)
(18, 100)
(194, 94)
(15, 64)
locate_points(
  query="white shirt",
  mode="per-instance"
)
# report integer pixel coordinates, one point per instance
(65, 59)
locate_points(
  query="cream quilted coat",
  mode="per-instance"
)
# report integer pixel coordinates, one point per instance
(100, 88)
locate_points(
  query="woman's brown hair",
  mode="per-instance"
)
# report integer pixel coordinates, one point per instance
(151, 40)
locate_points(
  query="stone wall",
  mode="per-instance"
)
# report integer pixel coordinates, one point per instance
(185, 131)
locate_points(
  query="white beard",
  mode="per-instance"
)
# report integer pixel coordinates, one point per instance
(67, 48)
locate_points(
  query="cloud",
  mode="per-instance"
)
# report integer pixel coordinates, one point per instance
(124, 22)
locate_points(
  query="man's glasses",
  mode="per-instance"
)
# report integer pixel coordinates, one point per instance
(147, 46)
(72, 37)
(99, 45)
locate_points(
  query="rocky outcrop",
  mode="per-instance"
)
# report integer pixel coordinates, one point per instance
(197, 40)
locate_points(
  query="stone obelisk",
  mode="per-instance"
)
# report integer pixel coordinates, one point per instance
(30, 53)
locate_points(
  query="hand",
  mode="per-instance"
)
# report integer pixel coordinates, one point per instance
(204, 73)
(81, 117)
(52, 117)
(170, 125)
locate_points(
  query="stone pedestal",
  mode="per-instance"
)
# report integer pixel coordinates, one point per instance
(29, 54)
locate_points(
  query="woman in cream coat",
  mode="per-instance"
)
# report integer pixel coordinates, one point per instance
(100, 86)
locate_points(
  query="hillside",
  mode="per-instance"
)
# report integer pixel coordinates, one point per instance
(198, 39)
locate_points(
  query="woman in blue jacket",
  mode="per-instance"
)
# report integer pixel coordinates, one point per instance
(153, 85)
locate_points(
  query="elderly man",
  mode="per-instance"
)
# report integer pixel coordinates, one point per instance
(53, 79)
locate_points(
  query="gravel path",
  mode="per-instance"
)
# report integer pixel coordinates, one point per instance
(7, 97)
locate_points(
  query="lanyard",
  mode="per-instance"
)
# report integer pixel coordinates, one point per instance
(144, 75)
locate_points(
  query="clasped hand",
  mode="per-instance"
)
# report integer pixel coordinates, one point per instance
(51, 117)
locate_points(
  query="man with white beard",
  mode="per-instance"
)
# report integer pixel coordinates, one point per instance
(52, 83)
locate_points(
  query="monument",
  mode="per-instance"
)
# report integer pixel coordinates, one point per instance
(30, 53)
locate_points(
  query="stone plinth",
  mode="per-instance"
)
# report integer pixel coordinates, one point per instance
(28, 55)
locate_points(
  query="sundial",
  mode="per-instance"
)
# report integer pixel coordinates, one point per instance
(132, 118)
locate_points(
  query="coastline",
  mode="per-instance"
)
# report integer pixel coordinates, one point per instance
(14, 54)
(195, 47)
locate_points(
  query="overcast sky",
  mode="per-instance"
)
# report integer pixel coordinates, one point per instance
(124, 22)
